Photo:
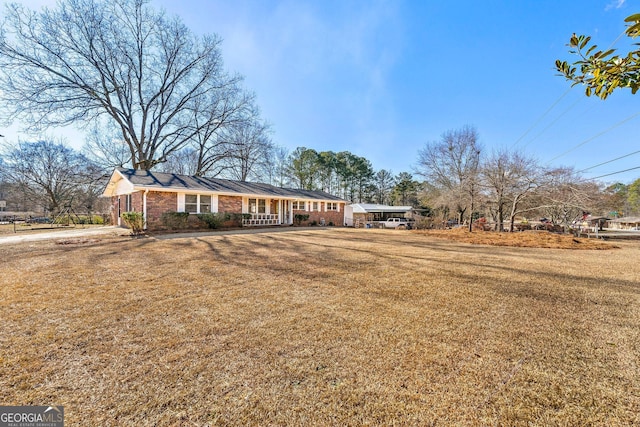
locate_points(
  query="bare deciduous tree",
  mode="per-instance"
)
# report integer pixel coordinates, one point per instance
(275, 167)
(249, 144)
(50, 174)
(453, 165)
(221, 115)
(182, 162)
(105, 148)
(509, 178)
(566, 196)
(116, 62)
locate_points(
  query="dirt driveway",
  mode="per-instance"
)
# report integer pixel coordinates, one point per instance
(119, 231)
(70, 233)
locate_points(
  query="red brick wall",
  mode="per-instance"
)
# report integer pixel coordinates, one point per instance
(136, 202)
(136, 205)
(336, 217)
(230, 204)
(159, 202)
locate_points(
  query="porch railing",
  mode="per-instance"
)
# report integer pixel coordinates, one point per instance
(261, 219)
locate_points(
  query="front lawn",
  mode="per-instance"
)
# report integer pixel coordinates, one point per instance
(321, 327)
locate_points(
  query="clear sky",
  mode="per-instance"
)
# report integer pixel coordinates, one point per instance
(382, 78)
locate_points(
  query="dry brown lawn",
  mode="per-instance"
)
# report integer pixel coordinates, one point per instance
(322, 327)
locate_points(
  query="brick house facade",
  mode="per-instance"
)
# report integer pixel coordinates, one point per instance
(321, 216)
(246, 204)
(230, 204)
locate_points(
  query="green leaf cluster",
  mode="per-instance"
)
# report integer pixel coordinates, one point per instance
(602, 72)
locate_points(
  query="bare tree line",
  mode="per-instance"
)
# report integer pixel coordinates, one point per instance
(152, 95)
(503, 185)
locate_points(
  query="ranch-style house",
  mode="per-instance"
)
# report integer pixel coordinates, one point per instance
(155, 193)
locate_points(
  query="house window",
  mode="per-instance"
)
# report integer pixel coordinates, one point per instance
(332, 206)
(197, 203)
(205, 204)
(299, 206)
(191, 203)
(127, 203)
(315, 206)
(257, 206)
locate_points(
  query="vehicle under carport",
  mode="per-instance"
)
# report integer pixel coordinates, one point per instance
(371, 215)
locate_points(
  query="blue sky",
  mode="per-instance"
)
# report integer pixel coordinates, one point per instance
(382, 78)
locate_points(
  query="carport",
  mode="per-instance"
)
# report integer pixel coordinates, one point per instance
(360, 214)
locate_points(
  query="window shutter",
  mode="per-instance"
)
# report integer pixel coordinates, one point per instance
(214, 203)
(180, 202)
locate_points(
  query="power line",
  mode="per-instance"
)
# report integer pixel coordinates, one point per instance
(614, 173)
(553, 106)
(609, 161)
(617, 39)
(553, 122)
(542, 116)
(595, 136)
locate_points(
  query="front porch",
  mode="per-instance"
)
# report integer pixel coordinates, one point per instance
(261, 212)
(261, 219)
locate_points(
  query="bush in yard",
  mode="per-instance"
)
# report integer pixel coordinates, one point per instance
(425, 223)
(135, 221)
(175, 220)
(214, 220)
(90, 219)
(300, 218)
(234, 219)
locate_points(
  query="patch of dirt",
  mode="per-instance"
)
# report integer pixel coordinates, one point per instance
(525, 239)
(75, 241)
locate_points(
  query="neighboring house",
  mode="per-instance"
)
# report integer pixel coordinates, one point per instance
(155, 193)
(625, 223)
(359, 214)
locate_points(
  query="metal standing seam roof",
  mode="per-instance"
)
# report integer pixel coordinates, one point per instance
(627, 220)
(150, 179)
(371, 208)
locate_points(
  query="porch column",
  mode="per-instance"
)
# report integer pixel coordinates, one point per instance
(290, 212)
(144, 207)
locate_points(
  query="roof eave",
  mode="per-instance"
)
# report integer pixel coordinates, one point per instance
(224, 193)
